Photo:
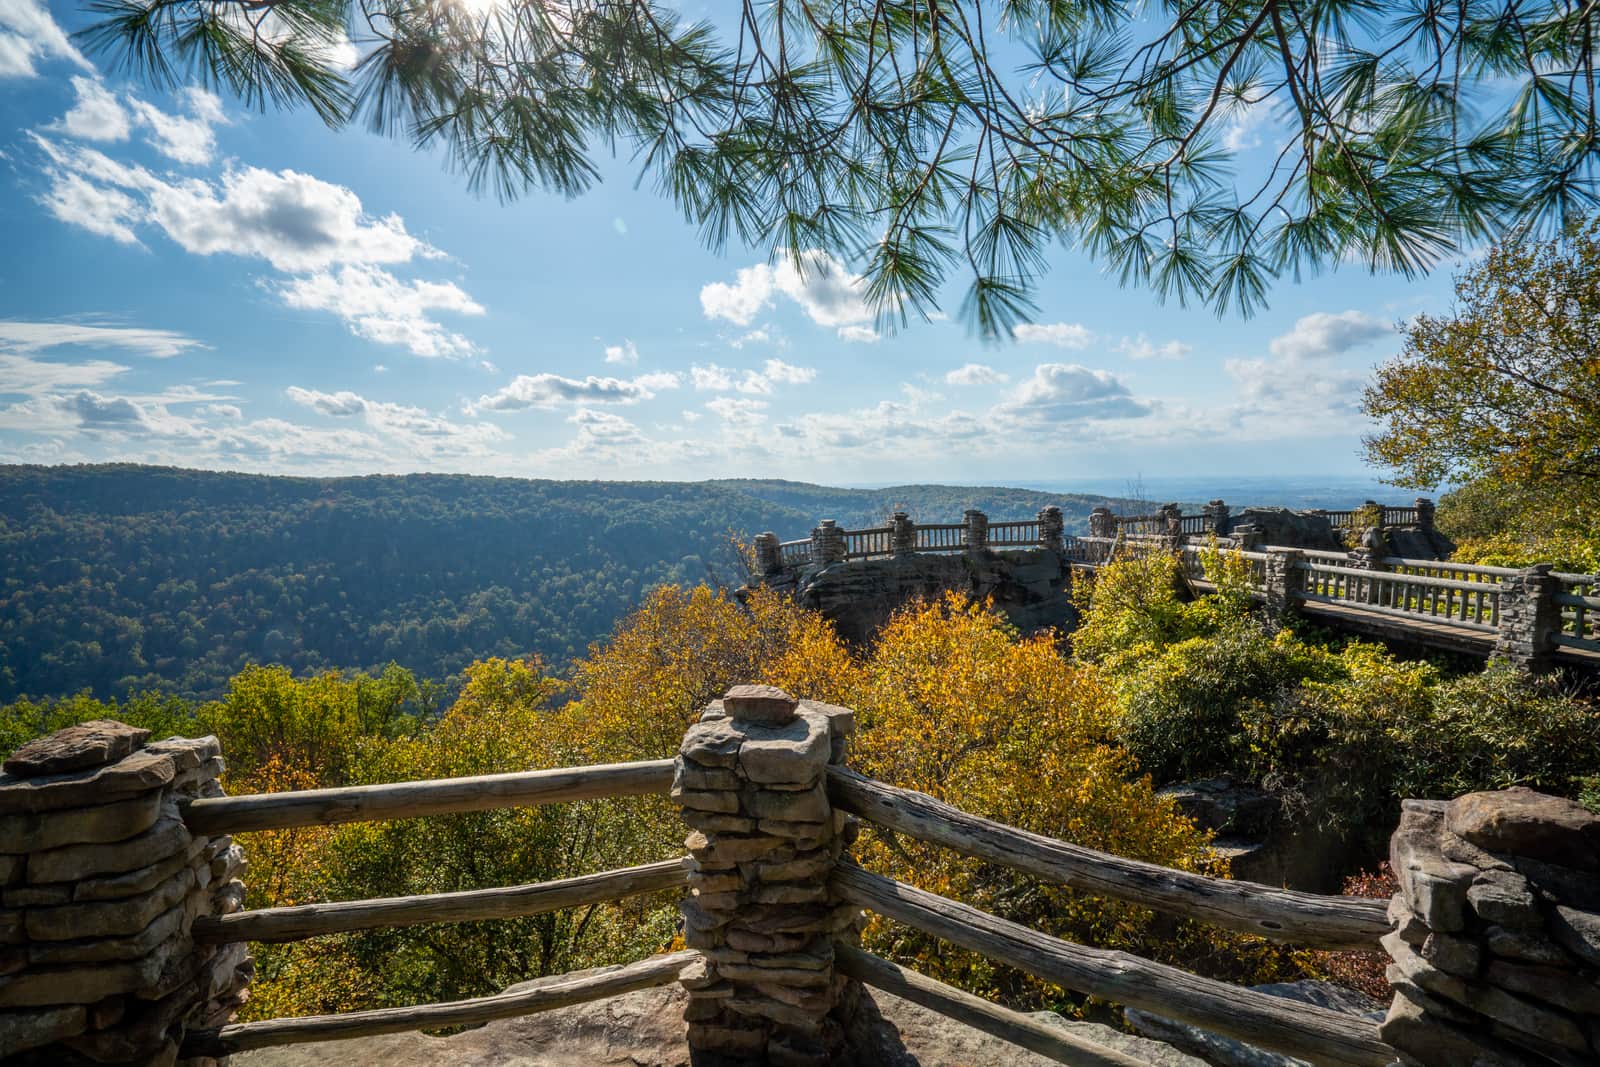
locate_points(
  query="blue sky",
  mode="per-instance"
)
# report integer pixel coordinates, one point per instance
(190, 282)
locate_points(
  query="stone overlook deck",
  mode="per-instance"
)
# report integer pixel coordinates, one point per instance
(123, 939)
(1395, 584)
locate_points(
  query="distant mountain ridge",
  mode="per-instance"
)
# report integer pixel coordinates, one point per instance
(121, 577)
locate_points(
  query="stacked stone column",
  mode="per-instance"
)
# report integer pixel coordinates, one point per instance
(1102, 523)
(1052, 529)
(902, 535)
(764, 841)
(827, 543)
(1217, 518)
(1529, 618)
(976, 534)
(1496, 940)
(101, 884)
(1424, 508)
(769, 556)
(1284, 583)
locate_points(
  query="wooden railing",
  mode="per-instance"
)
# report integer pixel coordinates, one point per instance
(1315, 1034)
(229, 815)
(795, 554)
(942, 537)
(1579, 601)
(1013, 534)
(865, 544)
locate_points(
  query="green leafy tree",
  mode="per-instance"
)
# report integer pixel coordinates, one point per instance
(1504, 393)
(919, 139)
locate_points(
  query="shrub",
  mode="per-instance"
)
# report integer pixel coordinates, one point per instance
(1184, 707)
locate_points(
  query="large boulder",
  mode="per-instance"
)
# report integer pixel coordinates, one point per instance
(1030, 586)
(646, 1029)
(1290, 529)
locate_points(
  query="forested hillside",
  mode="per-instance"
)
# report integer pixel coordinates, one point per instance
(118, 578)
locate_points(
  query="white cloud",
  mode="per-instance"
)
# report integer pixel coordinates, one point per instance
(860, 334)
(820, 284)
(626, 353)
(709, 377)
(1060, 334)
(28, 33)
(382, 308)
(96, 115)
(1325, 334)
(18, 336)
(976, 374)
(1244, 132)
(1142, 347)
(338, 405)
(753, 337)
(19, 374)
(738, 410)
(414, 429)
(553, 390)
(223, 411)
(1059, 393)
(188, 138)
(100, 210)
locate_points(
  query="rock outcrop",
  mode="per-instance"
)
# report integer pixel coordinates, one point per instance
(646, 1029)
(1030, 586)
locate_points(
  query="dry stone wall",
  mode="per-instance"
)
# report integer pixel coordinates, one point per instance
(764, 840)
(1496, 940)
(100, 882)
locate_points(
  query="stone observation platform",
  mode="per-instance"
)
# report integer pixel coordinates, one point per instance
(123, 941)
(1378, 570)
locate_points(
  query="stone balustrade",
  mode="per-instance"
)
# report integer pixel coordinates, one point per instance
(101, 884)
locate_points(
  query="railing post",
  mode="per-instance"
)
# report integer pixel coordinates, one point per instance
(976, 534)
(1285, 581)
(902, 535)
(1424, 508)
(827, 543)
(1217, 519)
(1051, 529)
(1496, 933)
(769, 557)
(103, 882)
(1529, 618)
(1102, 523)
(1171, 527)
(764, 839)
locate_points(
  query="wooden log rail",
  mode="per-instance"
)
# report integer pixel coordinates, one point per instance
(505, 902)
(407, 800)
(1280, 914)
(1315, 1034)
(1013, 1026)
(541, 995)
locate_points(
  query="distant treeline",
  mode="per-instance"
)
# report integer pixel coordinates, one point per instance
(120, 578)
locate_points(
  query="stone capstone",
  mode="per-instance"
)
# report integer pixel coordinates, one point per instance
(38, 831)
(1522, 822)
(760, 704)
(88, 744)
(136, 773)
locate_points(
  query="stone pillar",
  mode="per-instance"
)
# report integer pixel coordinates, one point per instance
(827, 543)
(1424, 508)
(1529, 618)
(1284, 582)
(769, 558)
(976, 535)
(1249, 537)
(1051, 529)
(1102, 523)
(902, 535)
(1217, 518)
(764, 841)
(1496, 939)
(1171, 527)
(102, 882)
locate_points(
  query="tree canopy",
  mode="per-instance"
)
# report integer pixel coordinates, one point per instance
(918, 141)
(1507, 385)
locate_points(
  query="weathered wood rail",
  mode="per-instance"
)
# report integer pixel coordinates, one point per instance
(1315, 1034)
(409, 800)
(1309, 919)
(543, 994)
